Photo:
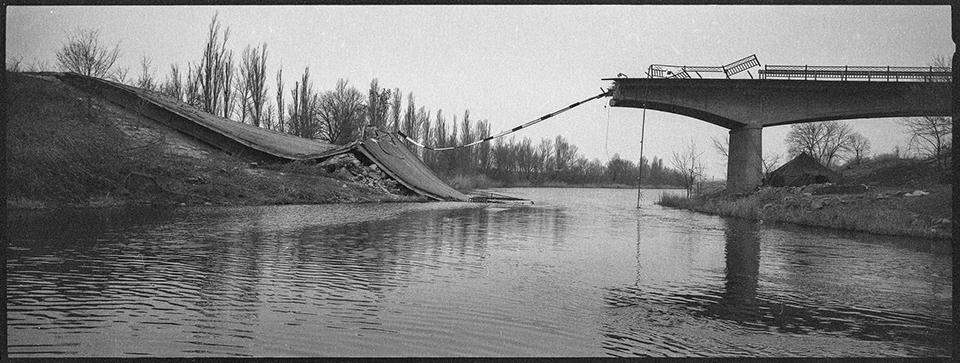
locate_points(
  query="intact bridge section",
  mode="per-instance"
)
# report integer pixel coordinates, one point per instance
(745, 106)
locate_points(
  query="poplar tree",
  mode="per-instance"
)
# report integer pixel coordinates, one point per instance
(253, 78)
(281, 121)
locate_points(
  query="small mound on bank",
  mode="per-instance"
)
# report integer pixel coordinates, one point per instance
(901, 197)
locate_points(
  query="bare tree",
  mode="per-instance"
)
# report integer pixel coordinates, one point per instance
(438, 160)
(146, 80)
(119, 74)
(688, 162)
(410, 125)
(770, 163)
(15, 64)
(173, 86)
(859, 147)
(340, 114)
(281, 122)
(423, 118)
(378, 105)
(931, 136)
(211, 73)
(243, 97)
(253, 73)
(465, 156)
(269, 122)
(824, 141)
(395, 110)
(482, 151)
(191, 92)
(721, 146)
(301, 110)
(84, 54)
(225, 79)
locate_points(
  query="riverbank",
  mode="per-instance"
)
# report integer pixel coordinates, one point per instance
(68, 149)
(902, 198)
(479, 182)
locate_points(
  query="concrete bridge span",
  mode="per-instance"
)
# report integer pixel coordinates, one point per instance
(745, 106)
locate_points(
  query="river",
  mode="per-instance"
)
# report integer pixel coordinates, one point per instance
(582, 272)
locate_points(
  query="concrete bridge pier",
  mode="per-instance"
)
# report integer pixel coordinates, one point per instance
(745, 159)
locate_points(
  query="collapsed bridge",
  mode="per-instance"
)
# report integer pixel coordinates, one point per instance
(253, 143)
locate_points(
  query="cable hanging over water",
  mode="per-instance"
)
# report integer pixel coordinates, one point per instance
(504, 133)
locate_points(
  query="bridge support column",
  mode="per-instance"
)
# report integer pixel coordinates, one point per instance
(744, 159)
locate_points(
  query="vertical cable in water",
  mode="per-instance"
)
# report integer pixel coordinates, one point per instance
(643, 125)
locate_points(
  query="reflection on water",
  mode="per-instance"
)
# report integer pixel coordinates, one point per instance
(582, 273)
(810, 310)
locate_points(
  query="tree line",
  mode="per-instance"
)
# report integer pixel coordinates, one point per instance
(237, 89)
(221, 84)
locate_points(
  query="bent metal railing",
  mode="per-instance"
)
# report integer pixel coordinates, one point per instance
(853, 73)
(672, 71)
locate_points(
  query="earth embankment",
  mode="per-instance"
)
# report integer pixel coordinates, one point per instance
(70, 148)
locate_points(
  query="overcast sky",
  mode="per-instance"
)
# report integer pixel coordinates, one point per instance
(512, 64)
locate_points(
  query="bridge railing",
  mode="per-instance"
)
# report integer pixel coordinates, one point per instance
(741, 65)
(674, 71)
(853, 73)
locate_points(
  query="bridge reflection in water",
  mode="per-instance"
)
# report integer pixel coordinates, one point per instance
(643, 315)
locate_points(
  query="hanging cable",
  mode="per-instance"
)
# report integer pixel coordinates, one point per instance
(606, 140)
(504, 133)
(643, 125)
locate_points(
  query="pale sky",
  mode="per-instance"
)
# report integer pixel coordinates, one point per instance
(512, 64)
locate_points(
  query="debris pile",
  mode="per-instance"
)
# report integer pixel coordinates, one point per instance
(348, 167)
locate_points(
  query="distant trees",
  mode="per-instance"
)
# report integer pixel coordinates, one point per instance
(16, 64)
(85, 54)
(216, 85)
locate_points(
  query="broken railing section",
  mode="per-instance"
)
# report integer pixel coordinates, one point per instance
(672, 71)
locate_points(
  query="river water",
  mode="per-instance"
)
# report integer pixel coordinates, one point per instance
(580, 273)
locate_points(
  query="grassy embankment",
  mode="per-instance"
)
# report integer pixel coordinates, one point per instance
(66, 148)
(877, 198)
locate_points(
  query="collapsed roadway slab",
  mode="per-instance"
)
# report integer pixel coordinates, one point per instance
(257, 144)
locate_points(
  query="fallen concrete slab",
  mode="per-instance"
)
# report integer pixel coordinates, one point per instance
(388, 152)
